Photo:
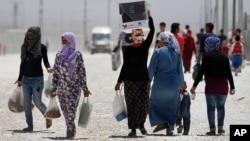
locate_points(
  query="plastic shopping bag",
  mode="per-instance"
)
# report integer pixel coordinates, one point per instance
(119, 107)
(85, 112)
(15, 102)
(52, 110)
(116, 58)
(48, 85)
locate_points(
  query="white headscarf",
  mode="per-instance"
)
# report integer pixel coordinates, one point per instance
(169, 40)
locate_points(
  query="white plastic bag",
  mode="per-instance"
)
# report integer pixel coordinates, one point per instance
(52, 110)
(15, 102)
(48, 85)
(119, 107)
(116, 58)
(85, 112)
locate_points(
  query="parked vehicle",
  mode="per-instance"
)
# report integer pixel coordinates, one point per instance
(101, 40)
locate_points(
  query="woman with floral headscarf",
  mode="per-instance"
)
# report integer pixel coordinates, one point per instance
(216, 69)
(165, 69)
(69, 78)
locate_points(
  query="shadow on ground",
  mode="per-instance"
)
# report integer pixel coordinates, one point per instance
(38, 131)
(64, 138)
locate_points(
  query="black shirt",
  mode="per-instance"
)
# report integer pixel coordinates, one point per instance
(31, 66)
(134, 67)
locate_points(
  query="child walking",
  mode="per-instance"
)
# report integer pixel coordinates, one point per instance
(184, 111)
(237, 52)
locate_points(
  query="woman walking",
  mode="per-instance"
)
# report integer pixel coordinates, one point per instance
(31, 74)
(134, 75)
(189, 49)
(165, 69)
(69, 78)
(215, 66)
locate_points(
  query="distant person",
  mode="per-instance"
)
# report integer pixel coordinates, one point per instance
(175, 29)
(199, 35)
(236, 53)
(187, 27)
(69, 78)
(238, 33)
(216, 69)
(47, 44)
(222, 36)
(165, 70)
(184, 110)
(135, 77)
(188, 51)
(242, 40)
(162, 29)
(31, 74)
(225, 48)
(209, 32)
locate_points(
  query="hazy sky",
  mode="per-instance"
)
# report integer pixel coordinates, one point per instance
(67, 15)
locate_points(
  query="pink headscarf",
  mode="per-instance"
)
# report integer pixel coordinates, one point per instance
(68, 52)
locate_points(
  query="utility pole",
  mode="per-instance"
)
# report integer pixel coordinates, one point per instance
(240, 15)
(109, 13)
(234, 13)
(40, 20)
(225, 17)
(15, 14)
(216, 16)
(85, 38)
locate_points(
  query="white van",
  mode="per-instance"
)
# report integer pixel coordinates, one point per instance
(101, 39)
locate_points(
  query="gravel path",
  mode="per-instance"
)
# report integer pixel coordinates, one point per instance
(102, 126)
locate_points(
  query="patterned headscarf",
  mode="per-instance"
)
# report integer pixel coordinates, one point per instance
(169, 40)
(32, 43)
(212, 43)
(68, 52)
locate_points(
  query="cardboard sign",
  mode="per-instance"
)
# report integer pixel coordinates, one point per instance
(133, 15)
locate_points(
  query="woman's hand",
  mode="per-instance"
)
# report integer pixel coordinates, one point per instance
(117, 86)
(192, 90)
(232, 91)
(19, 83)
(86, 93)
(149, 13)
(50, 70)
(53, 93)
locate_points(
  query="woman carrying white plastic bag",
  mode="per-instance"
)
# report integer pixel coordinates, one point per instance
(119, 107)
(53, 110)
(85, 112)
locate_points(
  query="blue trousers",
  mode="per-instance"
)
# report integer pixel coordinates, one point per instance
(32, 88)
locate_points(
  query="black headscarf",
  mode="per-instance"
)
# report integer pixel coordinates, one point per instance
(32, 43)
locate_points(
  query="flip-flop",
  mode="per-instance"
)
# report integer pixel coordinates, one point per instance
(143, 131)
(159, 128)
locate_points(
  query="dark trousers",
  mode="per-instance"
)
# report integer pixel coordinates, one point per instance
(184, 113)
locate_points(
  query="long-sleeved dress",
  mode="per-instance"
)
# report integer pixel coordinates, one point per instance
(134, 74)
(165, 70)
(69, 87)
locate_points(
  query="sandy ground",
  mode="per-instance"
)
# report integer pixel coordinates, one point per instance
(102, 126)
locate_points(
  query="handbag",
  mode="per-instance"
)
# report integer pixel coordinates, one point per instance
(85, 112)
(119, 106)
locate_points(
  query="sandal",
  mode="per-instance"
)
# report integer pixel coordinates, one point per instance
(169, 132)
(159, 127)
(132, 134)
(143, 131)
